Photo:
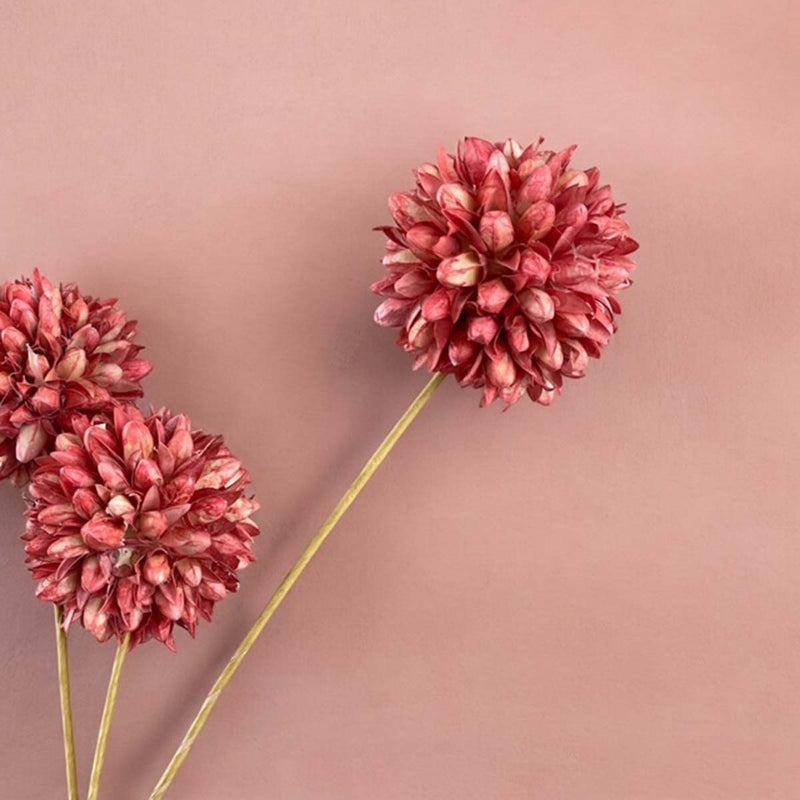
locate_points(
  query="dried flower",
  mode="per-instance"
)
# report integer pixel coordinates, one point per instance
(61, 352)
(136, 524)
(502, 267)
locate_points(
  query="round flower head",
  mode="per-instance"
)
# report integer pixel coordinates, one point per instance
(502, 267)
(60, 352)
(136, 524)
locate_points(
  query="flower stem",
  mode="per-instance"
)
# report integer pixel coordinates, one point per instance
(105, 720)
(370, 468)
(66, 705)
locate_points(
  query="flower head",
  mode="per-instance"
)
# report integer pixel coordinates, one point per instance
(137, 524)
(503, 265)
(60, 352)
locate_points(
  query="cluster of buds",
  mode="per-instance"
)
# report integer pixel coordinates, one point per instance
(503, 265)
(61, 352)
(138, 524)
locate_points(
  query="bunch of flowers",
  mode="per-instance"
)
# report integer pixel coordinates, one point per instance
(135, 523)
(503, 267)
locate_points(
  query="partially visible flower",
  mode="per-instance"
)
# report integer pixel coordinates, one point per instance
(138, 524)
(60, 352)
(503, 266)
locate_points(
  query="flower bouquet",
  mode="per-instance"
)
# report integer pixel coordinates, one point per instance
(502, 268)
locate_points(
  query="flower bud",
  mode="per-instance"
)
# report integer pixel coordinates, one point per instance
(156, 569)
(461, 270)
(537, 305)
(497, 230)
(493, 295)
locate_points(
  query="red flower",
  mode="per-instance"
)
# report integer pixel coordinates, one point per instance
(60, 352)
(502, 268)
(135, 525)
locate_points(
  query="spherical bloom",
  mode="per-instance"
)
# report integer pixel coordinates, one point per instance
(60, 352)
(137, 524)
(502, 267)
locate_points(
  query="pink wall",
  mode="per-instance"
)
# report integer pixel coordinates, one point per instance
(599, 601)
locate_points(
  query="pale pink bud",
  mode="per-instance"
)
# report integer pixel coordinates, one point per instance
(181, 446)
(537, 220)
(13, 340)
(473, 158)
(187, 541)
(31, 440)
(482, 329)
(119, 505)
(535, 266)
(72, 366)
(423, 237)
(170, 600)
(461, 270)
(573, 325)
(135, 369)
(93, 576)
(454, 195)
(137, 441)
(74, 477)
(56, 514)
(103, 533)
(461, 350)
(85, 338)
(113, 475)
(96, 620)
(241, 509)
(493, 295)
(501, 371)
(46, 400)
(497, 230)
(406, 211)
(151, 524)
(437, 305)
(212, 589)
(413, 283)
(147, 474)
(537, 305)
(67, 547)
(56, 589)
(218, 473)
(575, 359)
(156, 569)
(552, 360)
(107, 374)
(209, 509)
(86, 503)
(537, 187)
(392, 312)
(190, 571)
(420, 335)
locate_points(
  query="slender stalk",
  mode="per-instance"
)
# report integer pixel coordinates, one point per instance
(370, 468)
(66, 705)
(105, 720)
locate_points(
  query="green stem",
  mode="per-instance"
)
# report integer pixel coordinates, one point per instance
(66, 705)
(370, 468)
(105, 720)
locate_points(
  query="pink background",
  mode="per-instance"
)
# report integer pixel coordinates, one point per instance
(599, 601)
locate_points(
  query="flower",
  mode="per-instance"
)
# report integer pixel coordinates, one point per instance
(503, 266)
(137, 524)
(60, 352)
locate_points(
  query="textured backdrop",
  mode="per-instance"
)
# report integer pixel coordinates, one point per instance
(596, 601)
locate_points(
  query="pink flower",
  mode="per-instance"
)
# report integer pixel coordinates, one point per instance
(137, 524)
(61, 352)
(503, 266)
